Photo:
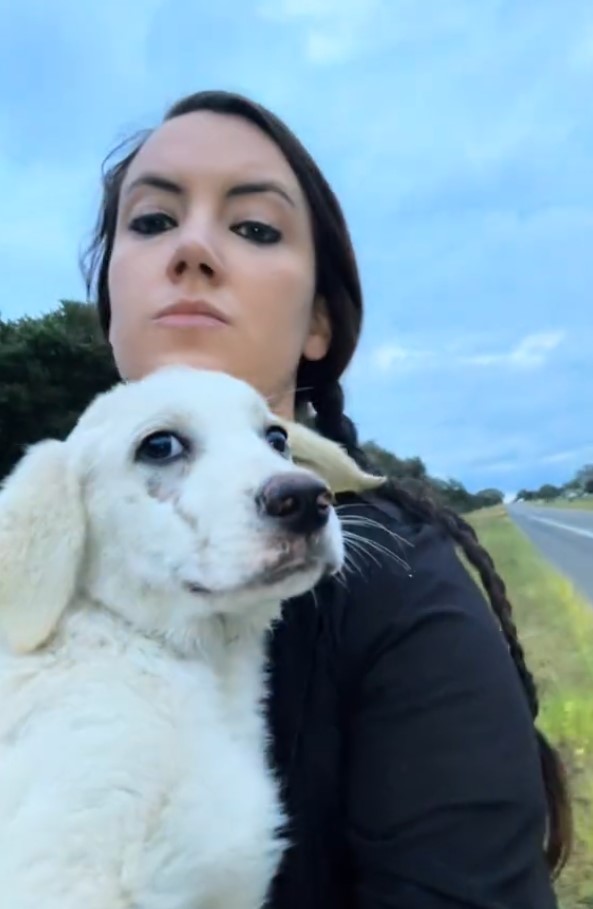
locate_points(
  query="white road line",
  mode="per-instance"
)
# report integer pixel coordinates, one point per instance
(578, 530)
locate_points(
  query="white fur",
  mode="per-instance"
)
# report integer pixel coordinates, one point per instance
(132, 743)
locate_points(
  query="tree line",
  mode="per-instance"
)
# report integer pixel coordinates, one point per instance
(580, 485)
(53, 365)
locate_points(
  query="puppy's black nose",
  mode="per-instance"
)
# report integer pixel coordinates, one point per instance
(298, 503)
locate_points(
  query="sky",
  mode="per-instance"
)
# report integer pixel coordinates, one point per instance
(459, 138)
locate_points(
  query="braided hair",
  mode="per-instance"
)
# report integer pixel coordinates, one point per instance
(318, 382)
(332, 422)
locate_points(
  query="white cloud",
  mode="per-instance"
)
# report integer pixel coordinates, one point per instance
(531, 352)
(580, 453)
(498, 467)
(317, 10)
(324, 49)
(387, 357)
(333, 31)
(534, 350)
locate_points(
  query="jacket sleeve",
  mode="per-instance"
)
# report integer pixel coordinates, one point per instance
(445, 801)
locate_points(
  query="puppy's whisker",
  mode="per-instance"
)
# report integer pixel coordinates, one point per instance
(350, 557)
(348, 570)
(350, 565)
(299, 389)
(359, 522)
(372, 549)
(293, 390)
(341, 580)
(364, 521)
(388, 553)
(362, 551)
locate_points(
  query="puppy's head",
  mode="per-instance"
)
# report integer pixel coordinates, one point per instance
(174, 498)
(194, 506)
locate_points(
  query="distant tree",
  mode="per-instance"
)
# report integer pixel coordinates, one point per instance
(489, 497)
(454, 494)
(584, 476)
(572, 486)
(389, 464)
(392, 466)
(413, 475)
(50, 369)
(415, 468)
(547, 492)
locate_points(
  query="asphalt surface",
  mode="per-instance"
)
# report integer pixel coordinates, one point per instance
(564, 537)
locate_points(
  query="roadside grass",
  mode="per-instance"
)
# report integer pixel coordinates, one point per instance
(576, 504)
(556, 628)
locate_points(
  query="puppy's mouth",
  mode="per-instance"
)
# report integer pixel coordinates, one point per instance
(284, 568)
(292, 560)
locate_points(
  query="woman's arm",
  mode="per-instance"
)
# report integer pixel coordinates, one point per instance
(446, 807)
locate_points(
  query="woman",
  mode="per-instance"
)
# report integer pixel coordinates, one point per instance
(402, 718)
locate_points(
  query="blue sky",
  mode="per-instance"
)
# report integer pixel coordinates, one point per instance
(459, 137)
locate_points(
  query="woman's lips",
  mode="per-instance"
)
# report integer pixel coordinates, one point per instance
(191, 314)
(190, 320)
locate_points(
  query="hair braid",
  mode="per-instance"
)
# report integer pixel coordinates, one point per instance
(332, 422)
(464, 534)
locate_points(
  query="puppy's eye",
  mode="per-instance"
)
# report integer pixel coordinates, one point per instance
(277, 437)
(161, 448)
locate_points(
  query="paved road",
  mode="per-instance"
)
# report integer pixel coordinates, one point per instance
(564, 536)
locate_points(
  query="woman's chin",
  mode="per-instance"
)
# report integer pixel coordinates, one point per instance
(279, 394)
(190, 358)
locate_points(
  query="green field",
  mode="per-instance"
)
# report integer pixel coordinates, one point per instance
(556, 627)
(579, 504)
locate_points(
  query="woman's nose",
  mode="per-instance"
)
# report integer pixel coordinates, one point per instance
(195, 255)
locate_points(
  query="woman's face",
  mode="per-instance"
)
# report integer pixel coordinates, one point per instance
(212, 222)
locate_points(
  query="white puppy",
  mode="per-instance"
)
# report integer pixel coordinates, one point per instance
(141, 562)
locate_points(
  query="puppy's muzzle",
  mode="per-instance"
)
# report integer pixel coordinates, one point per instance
(295, 503)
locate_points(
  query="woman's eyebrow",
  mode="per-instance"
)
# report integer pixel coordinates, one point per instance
(261, 186)
(165, 184)
(155, 181)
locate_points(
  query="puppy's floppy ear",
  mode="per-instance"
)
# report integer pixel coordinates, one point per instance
(328, 460)
(42, 531)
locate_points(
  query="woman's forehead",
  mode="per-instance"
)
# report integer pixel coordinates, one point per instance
(204, 144)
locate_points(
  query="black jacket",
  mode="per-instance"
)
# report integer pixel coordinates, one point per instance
(402, 738)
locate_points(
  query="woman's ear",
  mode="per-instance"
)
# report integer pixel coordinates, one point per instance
(320, 331)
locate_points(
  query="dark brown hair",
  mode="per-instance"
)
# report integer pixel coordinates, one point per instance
(318, 382)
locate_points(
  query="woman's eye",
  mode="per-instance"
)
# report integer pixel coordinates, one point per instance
(161, 447)
(277, 438)
(153, 223)
(258, 232)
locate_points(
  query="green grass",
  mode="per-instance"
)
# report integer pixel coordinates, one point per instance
(556, 628)
(578, 504)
